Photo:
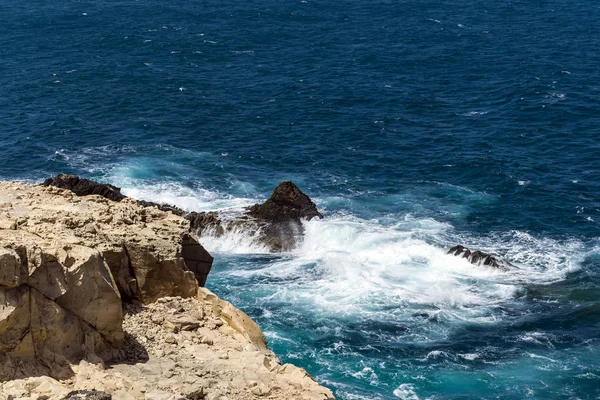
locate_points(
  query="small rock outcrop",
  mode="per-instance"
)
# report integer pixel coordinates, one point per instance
(206, 222)
(85, 187)
(480, 258)
(276, 223)
(287, 203)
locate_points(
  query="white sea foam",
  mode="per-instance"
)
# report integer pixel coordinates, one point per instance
(235, 241)
(474, 113)
(406, 391)
(359, 269)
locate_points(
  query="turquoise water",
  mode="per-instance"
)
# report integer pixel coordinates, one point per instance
(413, 125)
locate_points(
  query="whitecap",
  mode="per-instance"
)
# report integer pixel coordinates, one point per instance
(474, 113)
(406, 391)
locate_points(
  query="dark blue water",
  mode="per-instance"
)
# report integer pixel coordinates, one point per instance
(414, 125)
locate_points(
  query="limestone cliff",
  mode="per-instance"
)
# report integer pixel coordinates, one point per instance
(79, 282)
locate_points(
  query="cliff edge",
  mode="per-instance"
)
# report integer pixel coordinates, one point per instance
(103, 299)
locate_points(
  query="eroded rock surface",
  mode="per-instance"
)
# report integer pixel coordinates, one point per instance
(68, 262)
(85, 187)
(180, 349)
(480, 258)
(85, 281)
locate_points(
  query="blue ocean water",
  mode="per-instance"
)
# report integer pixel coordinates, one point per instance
(414, 125)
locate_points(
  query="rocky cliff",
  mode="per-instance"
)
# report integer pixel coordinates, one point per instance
(104, 294)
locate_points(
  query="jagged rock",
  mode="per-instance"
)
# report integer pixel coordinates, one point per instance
(85, 187)
(223, 357)
(66, 264)
(13, 271)
(276, 224)
(204, 222)
(287, 203)
(480, 258)
(162, 206)
(196, 258)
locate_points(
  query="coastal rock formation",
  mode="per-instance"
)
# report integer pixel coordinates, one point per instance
(84, 187)
(66, 264)
(480, 258)
(163, 207)
(86, 280)
(180, 349)
(277, 223)
(287, 203)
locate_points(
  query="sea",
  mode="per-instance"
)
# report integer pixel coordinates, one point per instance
(414, 125)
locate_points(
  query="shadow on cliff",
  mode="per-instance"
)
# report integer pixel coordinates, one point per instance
(131, 352)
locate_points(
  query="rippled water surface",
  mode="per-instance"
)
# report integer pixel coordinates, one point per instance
(414, 125)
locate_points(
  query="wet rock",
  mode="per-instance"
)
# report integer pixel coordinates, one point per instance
(480, 258)
(276, 223)
(85, 187)
(205, 222)
(287, 203)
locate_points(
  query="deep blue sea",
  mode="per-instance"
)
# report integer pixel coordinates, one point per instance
(414, 125)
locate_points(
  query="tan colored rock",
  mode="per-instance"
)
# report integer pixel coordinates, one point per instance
(179, 365)
(15, 319)
(67, 264)
(235, 318)
(13, 271)
(149, 252)
(157, 276)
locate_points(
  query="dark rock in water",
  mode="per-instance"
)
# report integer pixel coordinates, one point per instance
(280, 216)
(276, 223)
(286, 203)
(87, 395)
(480, 258)
(85, 187)
(205, 221)
(163, 207)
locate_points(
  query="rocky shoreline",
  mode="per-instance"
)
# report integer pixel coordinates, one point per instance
(101, 297)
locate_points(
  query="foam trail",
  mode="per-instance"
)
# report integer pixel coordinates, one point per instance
(189, 199)
(355, 268)
(234, 241)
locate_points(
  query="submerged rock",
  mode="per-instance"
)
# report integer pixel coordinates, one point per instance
(480, 258)
(85, 187)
